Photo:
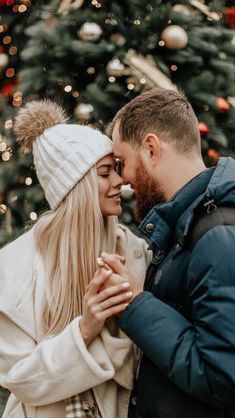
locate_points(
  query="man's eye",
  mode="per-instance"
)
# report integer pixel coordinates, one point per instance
(119, 167)
(105, 175)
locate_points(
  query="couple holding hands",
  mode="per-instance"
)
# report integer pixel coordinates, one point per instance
(93, 321)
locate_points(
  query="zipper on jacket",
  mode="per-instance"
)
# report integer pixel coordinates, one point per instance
(210, 205)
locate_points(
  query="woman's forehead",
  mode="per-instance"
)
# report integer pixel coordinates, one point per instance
(106, 160)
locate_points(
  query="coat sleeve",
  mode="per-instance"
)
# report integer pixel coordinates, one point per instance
(136, 251)
(199, 356)
(57, 367)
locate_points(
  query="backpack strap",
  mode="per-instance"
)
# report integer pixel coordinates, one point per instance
(222, 215)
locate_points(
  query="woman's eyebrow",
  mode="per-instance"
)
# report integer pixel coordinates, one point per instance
(106, 166)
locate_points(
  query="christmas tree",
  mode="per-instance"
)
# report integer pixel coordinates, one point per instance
(93, 56)
(16, 201)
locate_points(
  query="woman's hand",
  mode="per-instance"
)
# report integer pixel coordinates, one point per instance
(116, 264)
(100, 305)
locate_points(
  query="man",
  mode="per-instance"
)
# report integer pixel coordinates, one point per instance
(184, 320)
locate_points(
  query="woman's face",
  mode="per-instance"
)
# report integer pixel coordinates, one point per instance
(109, 186)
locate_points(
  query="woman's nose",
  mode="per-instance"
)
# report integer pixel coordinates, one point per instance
(118, 180)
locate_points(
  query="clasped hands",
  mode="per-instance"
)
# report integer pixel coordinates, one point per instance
(108, 294)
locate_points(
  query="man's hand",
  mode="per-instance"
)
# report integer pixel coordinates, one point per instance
(120, 274)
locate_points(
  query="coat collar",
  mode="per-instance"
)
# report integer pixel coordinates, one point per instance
(173, 217)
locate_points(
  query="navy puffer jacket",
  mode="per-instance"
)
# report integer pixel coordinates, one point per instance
(184, 321)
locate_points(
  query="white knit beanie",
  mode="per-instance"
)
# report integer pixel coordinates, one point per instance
(62, 152)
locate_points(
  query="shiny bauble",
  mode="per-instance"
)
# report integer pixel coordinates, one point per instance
(90, 31)
(3, 60)
(222, 104)
(118, 39)
(182, 9)
(174, 37)
(83, 111)
(203, 129)
(115, 68)
(213, 154)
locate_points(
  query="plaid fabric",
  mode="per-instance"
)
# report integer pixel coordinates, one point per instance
(75, 407)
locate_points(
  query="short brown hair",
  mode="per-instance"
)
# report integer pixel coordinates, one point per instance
(166, 113)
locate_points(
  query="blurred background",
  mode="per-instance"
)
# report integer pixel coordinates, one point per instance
(93, 56)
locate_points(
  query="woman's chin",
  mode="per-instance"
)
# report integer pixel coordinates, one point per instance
(113, 212)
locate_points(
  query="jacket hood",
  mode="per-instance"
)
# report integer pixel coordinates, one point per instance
(222, 184)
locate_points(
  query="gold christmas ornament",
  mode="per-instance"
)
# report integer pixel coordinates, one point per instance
(66, 5)
(181, 8)
(115, 68)
(90, 31)
(174, 37)
(83, 111)
(3, 60)
(118, 39)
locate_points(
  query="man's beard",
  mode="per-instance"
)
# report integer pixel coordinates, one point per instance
(148, 192)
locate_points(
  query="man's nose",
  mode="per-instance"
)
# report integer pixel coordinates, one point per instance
(125, 182)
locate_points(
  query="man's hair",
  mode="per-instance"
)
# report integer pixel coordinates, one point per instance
(166, 113)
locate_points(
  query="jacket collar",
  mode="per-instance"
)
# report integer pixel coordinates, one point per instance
(173, 217)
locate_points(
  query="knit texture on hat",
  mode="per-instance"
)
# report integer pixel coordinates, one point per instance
(63, 153)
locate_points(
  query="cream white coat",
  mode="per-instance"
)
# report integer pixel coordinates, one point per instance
(42, 373)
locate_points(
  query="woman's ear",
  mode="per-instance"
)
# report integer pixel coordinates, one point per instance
(151, 149)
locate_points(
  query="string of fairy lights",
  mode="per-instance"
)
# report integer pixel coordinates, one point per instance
(9, 51)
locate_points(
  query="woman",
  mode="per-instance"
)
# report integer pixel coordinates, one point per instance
(61, 353)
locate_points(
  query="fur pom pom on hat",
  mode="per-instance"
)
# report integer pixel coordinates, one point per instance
(34, 118)
(63, 153)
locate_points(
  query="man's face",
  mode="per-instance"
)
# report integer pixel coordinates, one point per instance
(148, 191)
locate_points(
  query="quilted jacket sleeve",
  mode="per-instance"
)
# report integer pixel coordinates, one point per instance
(199, 356)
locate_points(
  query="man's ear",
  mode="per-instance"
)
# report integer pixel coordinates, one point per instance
(151, 148)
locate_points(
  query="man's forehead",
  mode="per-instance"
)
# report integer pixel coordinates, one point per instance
(115, 133)
(117, 143)
(119, 148)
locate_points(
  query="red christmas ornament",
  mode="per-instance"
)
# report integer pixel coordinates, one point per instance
(8, 89)
(2, 198)
(7, 2)
(230, 16)
(203, 128)
(222, 104)
(213, 154)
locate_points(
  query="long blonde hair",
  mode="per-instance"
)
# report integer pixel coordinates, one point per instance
(69, 240)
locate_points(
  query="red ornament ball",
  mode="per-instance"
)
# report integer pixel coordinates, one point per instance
(7, 89)
(230, 16)
(203, 128)
(7, 2)
(213, 154)
(222, 104)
